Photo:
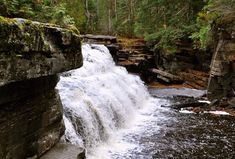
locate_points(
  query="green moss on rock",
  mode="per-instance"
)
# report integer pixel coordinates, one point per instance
(35, 49)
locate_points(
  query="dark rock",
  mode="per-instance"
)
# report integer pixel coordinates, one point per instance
(135, 56)
(232, 102)
(31, 125)
(31, 56)
(190, 104)
(222, 74)
(183, 60)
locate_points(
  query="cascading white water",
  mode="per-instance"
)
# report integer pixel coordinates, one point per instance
(99, 99)
(111, 114)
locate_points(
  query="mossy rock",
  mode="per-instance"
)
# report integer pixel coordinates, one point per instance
(33, 49)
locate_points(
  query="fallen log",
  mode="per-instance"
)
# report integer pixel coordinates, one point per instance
(166, 77)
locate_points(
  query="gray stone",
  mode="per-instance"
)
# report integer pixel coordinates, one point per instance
(30, 50)
(30, 126)
(221, 81)
(65, 151)
(31, 56)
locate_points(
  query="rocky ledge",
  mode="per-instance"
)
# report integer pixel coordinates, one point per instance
(31, 56)
(30, 49)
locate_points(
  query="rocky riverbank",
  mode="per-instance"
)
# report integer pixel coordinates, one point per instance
(187, 66)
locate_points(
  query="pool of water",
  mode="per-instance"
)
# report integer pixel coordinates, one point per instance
(166, 133)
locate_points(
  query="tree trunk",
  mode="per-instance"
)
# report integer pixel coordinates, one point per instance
(87, 13)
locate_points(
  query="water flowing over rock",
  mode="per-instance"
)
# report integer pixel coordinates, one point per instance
(99, 98)
(111, 114)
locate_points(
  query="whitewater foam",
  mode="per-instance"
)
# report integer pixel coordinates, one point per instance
(102, 101)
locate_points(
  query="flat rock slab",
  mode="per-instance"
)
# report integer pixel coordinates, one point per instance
(65, 151)
(100, 37)
(171, 92)
(31, 49)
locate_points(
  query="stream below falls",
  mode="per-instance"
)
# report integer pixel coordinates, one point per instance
(112, 114)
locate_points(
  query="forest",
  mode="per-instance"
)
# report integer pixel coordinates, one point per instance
(161, 22)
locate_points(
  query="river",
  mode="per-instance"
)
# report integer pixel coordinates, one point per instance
(112, 114)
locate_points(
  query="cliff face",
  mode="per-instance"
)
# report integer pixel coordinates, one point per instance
(222, 74)
(31, 56)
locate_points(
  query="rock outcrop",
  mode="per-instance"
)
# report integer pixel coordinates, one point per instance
(192, 65)
(31, 56)
(188, 64)
(222, 74)
(135, 56)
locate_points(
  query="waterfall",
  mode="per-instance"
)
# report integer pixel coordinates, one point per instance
(99, 99)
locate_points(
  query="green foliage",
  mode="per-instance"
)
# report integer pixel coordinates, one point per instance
(166, 39)
(76, 10)
(161, 22)
(201, 38)
(16, 8)
(40, 10)
(219, 12)
(167, 21)
(61, 17)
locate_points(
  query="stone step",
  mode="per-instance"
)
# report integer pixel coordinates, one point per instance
(65, 151)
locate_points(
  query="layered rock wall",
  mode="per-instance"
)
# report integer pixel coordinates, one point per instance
(31, 56)
(222, 75)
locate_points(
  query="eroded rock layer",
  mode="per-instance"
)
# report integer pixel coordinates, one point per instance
(31, 56)
(222, 74)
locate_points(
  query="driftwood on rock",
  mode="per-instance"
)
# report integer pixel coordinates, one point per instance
(166, 77)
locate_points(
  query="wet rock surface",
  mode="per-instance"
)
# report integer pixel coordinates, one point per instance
(65, 151)
(31, 56)
(191, 135)
(194, 136)
(31, 123)
(169, 133)
(190, 100)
